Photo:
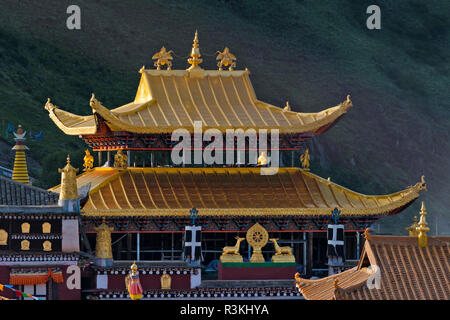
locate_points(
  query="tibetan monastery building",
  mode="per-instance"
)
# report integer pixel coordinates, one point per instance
(146, 197)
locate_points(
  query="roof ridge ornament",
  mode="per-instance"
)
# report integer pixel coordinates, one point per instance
(195, 60)
(226, 59)
(49, 106)
(367, 235)
(94, 103)
(287, 107)
(162, 58)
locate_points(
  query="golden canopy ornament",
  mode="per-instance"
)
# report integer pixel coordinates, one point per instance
(69, 189)
(162, 58)
(226, 59)
(88, 161)
(304, 158)
(257, 237)
(103, 246)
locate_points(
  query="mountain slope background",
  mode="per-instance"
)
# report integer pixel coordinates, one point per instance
(311, 53)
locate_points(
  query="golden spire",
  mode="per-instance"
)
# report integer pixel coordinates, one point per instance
(195, 60)
(20, 170)
(422, 229)
(287, 107)
(69, 190)
(412, 228)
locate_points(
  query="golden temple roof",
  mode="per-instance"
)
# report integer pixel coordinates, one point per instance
(228, 191)
(171, 99)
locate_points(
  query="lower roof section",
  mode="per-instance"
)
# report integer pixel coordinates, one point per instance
(406, 272)
(228, 191)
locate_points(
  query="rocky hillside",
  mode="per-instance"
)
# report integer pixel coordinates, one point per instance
(307, 52)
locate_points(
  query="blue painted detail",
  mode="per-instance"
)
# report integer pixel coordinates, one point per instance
(335, 215)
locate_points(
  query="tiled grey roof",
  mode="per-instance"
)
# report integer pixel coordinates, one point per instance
(14, 193)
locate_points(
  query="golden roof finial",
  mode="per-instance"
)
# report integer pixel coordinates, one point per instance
(226, 59)
(49, 106)
(412, 228)
(162, 58)
(195, 60)
(287, 107)
(422, 229)
(69, 189)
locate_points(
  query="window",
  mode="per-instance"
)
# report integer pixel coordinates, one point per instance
(37, 290)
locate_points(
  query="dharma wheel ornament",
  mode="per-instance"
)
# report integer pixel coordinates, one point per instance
(257, 238)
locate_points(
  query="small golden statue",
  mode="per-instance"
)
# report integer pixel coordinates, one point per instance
(25, 245)
(46, 227)
(287, 107)
(88, 161)
(3, 237)
(226, 59)
(231, 254)
(25, 227)
(120, 160)
(162, 58)
(47, 246)
(282, 254)
(166, 281)
(304, 158)
(262, 159)
(257, 237)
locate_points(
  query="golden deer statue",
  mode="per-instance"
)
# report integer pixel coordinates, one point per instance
(282, 254)
(231, 253)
